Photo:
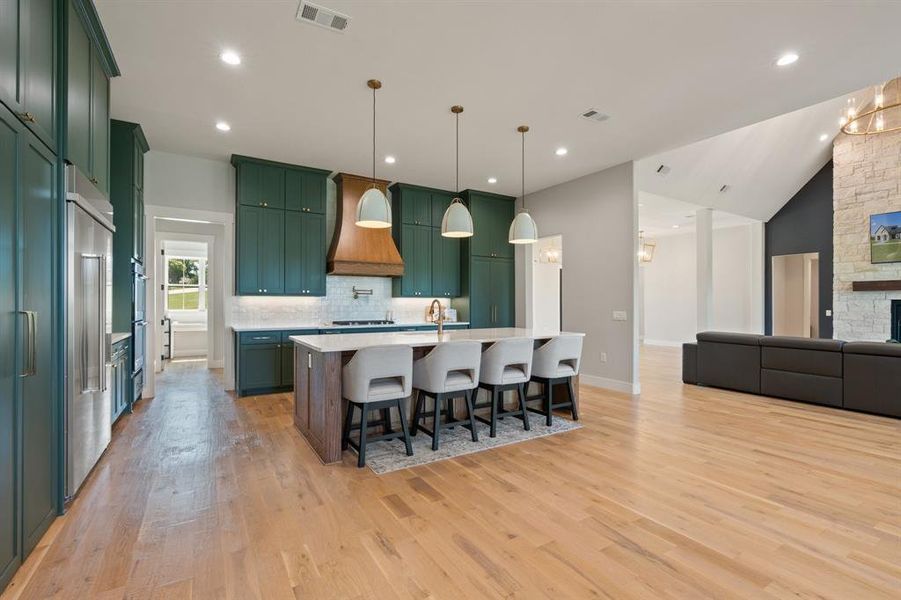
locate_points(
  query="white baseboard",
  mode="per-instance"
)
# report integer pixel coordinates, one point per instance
(667, 343)
(616, 385)
(215, 364)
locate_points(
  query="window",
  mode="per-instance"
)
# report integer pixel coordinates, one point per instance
(186, 287)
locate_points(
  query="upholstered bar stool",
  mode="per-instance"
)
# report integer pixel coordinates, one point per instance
(506, 366)
(377, 378)
(450, 371)
(556, 362)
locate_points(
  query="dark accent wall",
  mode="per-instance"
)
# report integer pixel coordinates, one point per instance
(804, 224)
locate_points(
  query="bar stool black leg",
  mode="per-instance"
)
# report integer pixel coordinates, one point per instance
(436, 426)
(417, 411)
(364, 425)
(548, 400)
(572, 398)
(493, 432)
(403, 427)
(348, 419)
(449, 410)
(386, 420)
(472, 417)
(522, 406)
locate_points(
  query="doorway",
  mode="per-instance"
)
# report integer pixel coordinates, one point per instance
(185, 298)
(796, 295)
(546, 266)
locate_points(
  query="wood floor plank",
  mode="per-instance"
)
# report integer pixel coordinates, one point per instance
(683, 492)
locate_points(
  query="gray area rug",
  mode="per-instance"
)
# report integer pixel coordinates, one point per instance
(387, 456)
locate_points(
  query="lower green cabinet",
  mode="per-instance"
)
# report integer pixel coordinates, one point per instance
(120, 377)
(261, 366)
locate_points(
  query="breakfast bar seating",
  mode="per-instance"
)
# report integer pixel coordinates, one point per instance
(506, 366)
(556, 363)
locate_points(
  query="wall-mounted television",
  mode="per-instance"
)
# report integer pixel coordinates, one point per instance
(885, 238)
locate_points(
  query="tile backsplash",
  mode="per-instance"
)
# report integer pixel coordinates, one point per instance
(337, 305)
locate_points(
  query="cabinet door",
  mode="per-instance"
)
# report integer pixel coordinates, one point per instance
(11, 56)
(260, 366)
(37, 243)
(481, 243)
(440, 202)
(502, 293)
(99, 126)
(312, 235)
(272, 251)
(501, 218)
(416, 207)
(445, 265)
(286, 352)
(295, 260)
(248, 275)
(480, 306)
(10, 132)
(250, 182)
(78, 146)
(39, 68)
(305, 191)
(416, 250)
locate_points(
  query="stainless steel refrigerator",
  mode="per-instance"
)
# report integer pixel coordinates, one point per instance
(89, 328)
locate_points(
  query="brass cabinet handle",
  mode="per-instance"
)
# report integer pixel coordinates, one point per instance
(28, 117)
(94, 180)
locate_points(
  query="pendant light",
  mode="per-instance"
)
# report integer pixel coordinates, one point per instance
(523, 229)
(457, 222)
(373, 209)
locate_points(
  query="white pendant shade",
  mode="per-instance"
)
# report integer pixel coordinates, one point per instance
(523, 229)
(373, 210)
(457, 222)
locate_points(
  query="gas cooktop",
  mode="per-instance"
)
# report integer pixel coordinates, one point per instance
(364, 322)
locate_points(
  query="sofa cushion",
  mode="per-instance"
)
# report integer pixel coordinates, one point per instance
(800, 386)
(746, 339)
(873, 348)
(872, 383)
(822, 345)
(811, 362)
(730, 366)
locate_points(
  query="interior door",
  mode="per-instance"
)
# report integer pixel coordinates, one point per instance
(9, 539)
(36, 268)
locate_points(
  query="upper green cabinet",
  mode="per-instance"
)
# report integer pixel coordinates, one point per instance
(280, 241)
(88, 124)
(491, 216)
(431, 262)
(28, 58)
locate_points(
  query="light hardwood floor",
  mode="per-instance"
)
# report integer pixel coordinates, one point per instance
(683, 492)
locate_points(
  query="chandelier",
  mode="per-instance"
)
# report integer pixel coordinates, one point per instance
(880, 114)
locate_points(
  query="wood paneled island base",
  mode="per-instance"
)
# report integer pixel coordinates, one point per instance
(318, 360)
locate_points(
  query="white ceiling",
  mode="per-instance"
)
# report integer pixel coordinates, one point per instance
(763, 164)
(668, 73)
(658, 216)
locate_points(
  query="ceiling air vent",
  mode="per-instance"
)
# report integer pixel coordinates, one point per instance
(724, 189)
(307, 12)
(593, 114)
(663, 170)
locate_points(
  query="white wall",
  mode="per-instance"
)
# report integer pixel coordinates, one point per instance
(670, 290)
(188, 182)
(596, 215)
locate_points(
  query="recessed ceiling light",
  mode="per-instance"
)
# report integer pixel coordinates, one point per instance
(230, 57)
(390, 159)
(561, 151)
(223, 126)
(824, 137)
(492, 180)
(640, 205)
(787, 59)
(675, 227)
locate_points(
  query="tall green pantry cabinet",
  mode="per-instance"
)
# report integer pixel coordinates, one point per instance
(35, 144)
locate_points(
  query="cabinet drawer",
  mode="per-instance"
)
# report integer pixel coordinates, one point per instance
(260, 337)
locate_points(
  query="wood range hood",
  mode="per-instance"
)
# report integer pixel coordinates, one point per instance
(358, 250)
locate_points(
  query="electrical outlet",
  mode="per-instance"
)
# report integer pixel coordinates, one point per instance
(828, 312)
(603, 357)
(620, 315)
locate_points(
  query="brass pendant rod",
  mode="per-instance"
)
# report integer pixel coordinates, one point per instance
(457, 156)
(373, 136)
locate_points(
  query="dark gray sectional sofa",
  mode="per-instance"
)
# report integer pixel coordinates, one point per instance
(863, 376)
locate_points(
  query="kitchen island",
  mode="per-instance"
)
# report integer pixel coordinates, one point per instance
(318, 360)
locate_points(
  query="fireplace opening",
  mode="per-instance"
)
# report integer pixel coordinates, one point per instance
(896, 320)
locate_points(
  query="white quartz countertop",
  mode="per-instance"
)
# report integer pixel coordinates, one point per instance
(344, 342)
(286, 326)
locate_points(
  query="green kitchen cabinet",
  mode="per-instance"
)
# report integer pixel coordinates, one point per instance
(281, 241)
(261, 366)
(415, 245)
(415, 203)
(28, 370)
(286, 355)
(11, 58)
(305, 190)
(120, 377)
(439, 202)
(88, 123)
(261, 251)
(304, 254)
(487, 274)
(445, 265)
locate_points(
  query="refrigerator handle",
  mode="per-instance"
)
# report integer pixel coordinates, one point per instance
(101, 324)
(30, 340)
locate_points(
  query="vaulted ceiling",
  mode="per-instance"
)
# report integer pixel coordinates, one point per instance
(669, 74)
